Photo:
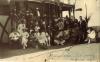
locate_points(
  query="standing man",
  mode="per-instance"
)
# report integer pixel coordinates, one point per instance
(83, 29)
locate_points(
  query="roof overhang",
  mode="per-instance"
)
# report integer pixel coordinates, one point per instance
(64, 7)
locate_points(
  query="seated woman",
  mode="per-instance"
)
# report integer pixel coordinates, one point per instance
(61, 37)
(91, 37)
(14, 39)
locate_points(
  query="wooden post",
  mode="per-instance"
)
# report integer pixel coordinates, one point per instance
(74, 11)
(69, 13)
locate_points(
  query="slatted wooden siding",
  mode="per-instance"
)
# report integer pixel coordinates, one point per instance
(5, 28)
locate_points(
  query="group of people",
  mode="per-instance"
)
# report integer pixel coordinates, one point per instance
(28, 30)
(41, 32)
(73, 30)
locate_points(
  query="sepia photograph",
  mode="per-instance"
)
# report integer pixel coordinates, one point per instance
(49, 30)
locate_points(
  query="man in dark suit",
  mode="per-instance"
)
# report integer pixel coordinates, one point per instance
(83, 29)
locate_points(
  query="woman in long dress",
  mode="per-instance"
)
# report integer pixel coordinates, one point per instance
(91, 35)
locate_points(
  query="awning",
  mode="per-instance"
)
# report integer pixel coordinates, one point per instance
(63, 6)
(66, 7)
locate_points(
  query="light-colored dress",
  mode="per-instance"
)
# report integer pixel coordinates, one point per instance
(92, 36)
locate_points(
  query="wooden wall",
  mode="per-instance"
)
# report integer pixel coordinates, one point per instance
(3, 20)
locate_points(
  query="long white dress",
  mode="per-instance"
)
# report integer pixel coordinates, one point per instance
(92, 36)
